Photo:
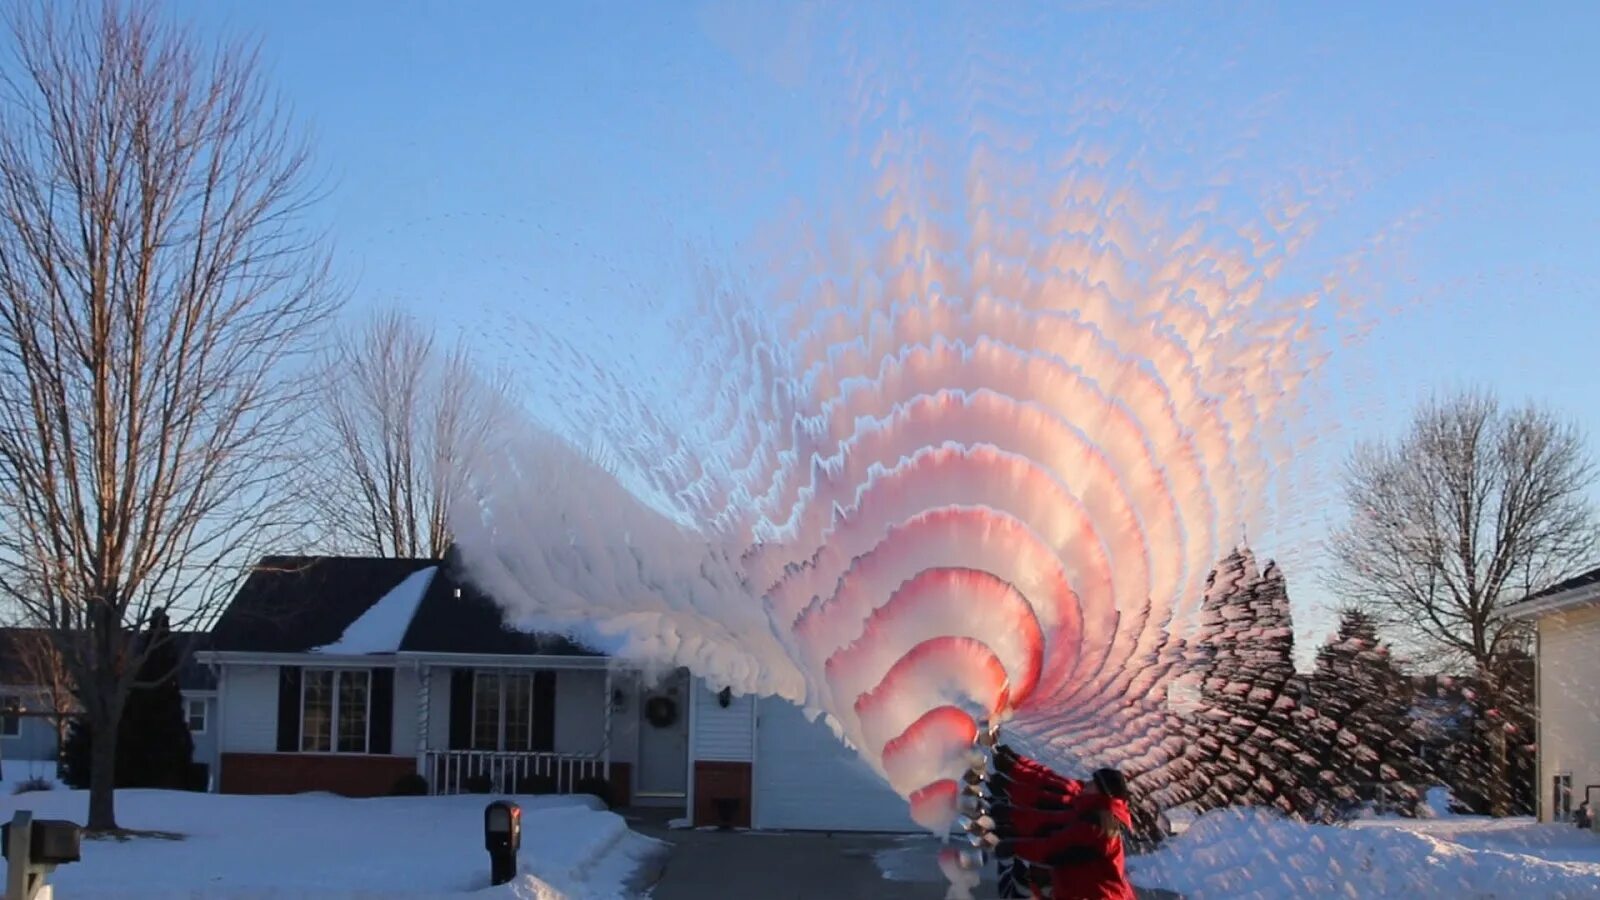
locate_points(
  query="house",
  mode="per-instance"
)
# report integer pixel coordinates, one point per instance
(1566, 618)
(34, 713)
(351, 674)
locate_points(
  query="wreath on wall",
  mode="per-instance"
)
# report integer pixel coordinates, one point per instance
(662, 712)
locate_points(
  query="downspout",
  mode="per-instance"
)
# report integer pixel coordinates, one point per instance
(222, 725)
(424, 714)
(606, 708)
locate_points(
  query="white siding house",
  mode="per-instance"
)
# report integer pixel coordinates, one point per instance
(450, 693)
(1567, 655)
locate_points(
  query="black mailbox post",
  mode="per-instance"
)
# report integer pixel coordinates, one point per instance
(502, 837)
(33, 849)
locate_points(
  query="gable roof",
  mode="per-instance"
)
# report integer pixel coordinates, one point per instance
(1556, 597)
(290, 604)
(1590, 577)
(297, 604)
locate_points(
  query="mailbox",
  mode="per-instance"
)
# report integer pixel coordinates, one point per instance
(502, 837)
(51, 842)
(34, 849)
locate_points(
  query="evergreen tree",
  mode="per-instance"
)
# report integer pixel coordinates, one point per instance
(154, 746)
(1482, 729)
(1243, 732)
(1357, 737)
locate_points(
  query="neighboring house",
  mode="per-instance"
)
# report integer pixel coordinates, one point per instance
(33, 719)
(1567, 657)
(347, 673)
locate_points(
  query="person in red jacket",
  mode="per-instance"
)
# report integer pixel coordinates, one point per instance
(1080, 844)
(1021, 782)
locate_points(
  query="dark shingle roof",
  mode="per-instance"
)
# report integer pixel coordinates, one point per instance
(1590, 577)
(194, 675)
(293, 604)
(290, 604)
(16, 642)
(472, 623)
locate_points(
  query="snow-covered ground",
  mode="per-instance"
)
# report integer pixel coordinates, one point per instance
(1239, 853)
(320, 845)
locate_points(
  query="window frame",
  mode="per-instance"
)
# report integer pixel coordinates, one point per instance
(502, 678)
(189, 704)
(336, 675)
(10, 715)
(1561, 797)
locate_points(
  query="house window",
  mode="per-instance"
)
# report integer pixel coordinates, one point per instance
(196, 711)
(334, 706)
(502, 711)
(10, 715)
(1561, 805)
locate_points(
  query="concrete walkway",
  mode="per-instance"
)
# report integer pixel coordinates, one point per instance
(794, 866)
(776, 865)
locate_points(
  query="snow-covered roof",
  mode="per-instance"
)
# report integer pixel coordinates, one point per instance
(345, 605)
(383, 626)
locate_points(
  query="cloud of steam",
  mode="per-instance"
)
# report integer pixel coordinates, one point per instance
(967, 450)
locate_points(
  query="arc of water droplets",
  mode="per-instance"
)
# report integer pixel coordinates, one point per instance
(951, 472)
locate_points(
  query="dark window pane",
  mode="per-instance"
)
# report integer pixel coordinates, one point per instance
(353, 690)
(316, 711)
(486, 711)
(519, 712)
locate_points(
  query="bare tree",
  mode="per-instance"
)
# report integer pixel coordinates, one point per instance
(46, 671)
(158, 287)
(1474, 508)
(401, 415)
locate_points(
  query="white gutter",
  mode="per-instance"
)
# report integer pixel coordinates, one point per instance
(242, 658)
(461, 660)
(509, 660)
(1555, 603)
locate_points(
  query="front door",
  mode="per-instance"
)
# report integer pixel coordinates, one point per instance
(664, 742)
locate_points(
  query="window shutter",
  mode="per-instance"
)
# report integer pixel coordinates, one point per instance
(289, 709)
(544, 711)
(460, 709)
(380, 725)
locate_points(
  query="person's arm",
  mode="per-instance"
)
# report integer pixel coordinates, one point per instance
(1041, 797)
(1080, 842)
(1026, 822)
(1028, 772)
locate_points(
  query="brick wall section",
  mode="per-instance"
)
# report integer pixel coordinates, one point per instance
(350, 775)
(715, 781)
(621, 785)
(292, 773)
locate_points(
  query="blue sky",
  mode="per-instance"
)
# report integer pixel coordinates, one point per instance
(499, 159)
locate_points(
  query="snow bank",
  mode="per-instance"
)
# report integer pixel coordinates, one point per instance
(381, 628)
(1253, 853)
(320, 845)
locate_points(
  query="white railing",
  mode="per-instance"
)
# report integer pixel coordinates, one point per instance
(453, 771)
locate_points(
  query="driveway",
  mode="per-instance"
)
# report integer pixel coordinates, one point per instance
(777, 865)
(796, 866)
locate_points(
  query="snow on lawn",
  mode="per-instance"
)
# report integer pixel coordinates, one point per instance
(321, 845)
(16, 772)
(1253, 853)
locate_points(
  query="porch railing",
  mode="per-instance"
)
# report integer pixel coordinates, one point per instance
(454, 771)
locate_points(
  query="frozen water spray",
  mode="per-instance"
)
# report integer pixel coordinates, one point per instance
(967, 454)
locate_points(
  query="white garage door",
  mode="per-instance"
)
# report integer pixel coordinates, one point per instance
(806, 780)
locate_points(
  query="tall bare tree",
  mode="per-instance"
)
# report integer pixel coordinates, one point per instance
(402, 413)
(157, 286)
(1474, 508)
(40, 663)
